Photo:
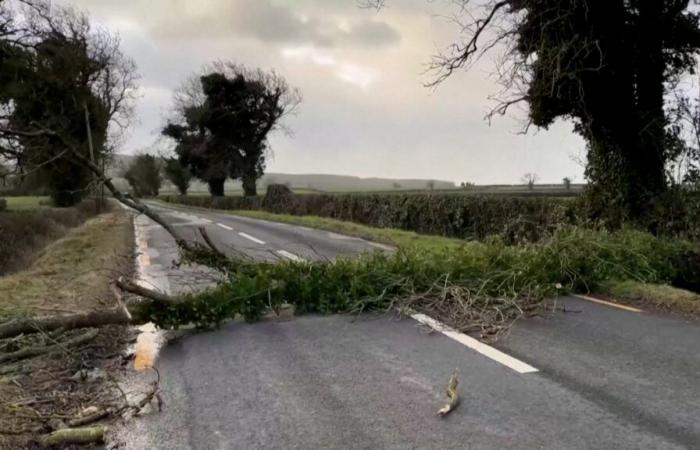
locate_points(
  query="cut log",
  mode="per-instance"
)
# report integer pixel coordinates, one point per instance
(14, 327)
(40, 350)
(67, 436)
(150, 294)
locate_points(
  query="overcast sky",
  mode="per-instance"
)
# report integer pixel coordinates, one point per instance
(365, 110)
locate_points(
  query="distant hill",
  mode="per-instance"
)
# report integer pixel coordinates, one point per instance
(346, 183)
(310, 182)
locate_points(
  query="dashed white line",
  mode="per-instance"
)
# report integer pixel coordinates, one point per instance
(476, 345)
(251, 238)
(205, 220)
(288, 255)
(225, 227)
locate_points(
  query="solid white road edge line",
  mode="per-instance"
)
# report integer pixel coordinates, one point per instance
(607, 303)
(476, 345)
(225, 227)
(288, 255)
(251, 238)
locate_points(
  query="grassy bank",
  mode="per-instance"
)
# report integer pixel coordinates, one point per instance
(28, 227)
(73, 273)
(649, 295)
(26, 202)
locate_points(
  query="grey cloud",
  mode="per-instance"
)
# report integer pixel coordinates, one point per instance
(270, 22)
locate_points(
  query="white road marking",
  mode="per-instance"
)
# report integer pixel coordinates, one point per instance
(205, 220)
(476, 345)
(225, 227)
(291, 256)
(251, 238)
(381, 246)
(606, 303)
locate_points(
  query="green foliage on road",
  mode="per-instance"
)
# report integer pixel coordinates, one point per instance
(480, 286)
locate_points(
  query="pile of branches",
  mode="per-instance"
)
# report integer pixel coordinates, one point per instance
(56, 387)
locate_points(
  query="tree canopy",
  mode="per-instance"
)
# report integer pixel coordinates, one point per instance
(223, 121)
(60, 74)
(608, 66)
(143, 175)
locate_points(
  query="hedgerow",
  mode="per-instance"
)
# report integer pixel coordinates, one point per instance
(515, 219)
(480, 286)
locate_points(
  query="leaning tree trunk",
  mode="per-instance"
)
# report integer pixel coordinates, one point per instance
(216, 187)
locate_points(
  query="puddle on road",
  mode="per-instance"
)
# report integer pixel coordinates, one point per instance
(148, 343)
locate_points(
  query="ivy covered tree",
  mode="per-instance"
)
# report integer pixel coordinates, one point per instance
(224, 121)
(607, 65)
(177, 174)
(143, 175)
(64, 85)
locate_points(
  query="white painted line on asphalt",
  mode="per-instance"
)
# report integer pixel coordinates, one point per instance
(476, 345)
(291, 256)
(225, 227)
(251, 238)
(606, 303)
(205, 220)
(381, 246)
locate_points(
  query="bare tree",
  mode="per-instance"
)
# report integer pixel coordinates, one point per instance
(567, 183)
(530, 179)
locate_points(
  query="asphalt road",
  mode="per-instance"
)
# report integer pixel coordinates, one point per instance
(606, 378)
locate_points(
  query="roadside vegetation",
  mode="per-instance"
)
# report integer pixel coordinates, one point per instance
(67, 90)
(74, 272)
(479, 286)
(656, 296)
(59, 379)
(28, 225)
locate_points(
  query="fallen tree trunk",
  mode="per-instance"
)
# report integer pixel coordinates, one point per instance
(36, 351)
(91, 435)
(141, 291)
(116, 316)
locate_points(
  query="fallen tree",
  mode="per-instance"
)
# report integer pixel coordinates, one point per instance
(482, 286)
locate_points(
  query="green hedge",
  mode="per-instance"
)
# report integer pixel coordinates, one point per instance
(516, 219)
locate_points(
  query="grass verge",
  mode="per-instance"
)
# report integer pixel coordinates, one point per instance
(72, 273)
(660, 296)
(39, 394)
(27, 202)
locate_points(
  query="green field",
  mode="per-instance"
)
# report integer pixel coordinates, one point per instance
(21, 203)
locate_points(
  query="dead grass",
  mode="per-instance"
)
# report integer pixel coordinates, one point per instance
(660, 296)
(72, 274)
